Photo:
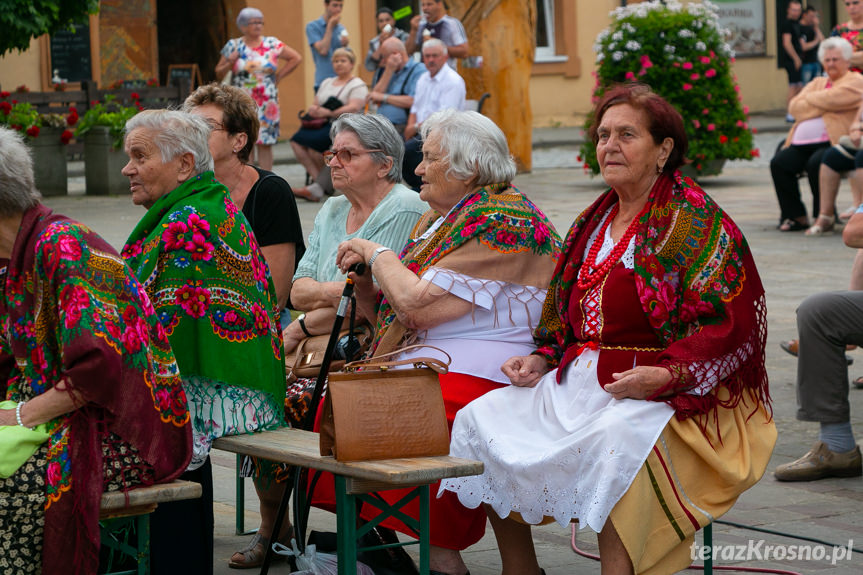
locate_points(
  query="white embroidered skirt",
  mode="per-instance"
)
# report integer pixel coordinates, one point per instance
(567, 451)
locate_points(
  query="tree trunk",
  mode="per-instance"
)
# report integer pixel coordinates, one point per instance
(502, 33)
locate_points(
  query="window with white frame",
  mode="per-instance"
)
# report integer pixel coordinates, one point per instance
(546, 50)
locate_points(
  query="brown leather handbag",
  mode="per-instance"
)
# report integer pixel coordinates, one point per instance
(372, 411)
(308, 357)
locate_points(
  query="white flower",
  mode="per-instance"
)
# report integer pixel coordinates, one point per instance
(617, 36)
(701, 46)
(633, 46)
(684, 33)
(617, 56)
(669, 49)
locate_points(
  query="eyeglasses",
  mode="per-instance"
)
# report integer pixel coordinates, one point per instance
(344, 155)
(215, 125)
(255, 23)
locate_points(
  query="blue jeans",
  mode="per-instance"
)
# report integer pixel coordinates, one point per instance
(809, 70)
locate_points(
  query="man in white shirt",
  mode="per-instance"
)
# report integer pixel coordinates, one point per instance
(439, 88)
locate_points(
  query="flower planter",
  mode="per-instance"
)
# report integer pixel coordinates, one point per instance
(102, 164)
(49, 162)
(710, 168)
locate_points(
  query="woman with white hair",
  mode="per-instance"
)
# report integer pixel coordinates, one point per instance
(470, 280)
(87, 370)
(196, 257)
(252, 60)
(824, 111)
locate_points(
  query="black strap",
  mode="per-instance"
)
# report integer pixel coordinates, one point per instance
(254, 190)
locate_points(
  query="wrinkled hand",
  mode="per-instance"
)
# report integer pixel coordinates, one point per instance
(394, 62)
(525, 370)
(638, 383)
(354, 251)
(7, 417)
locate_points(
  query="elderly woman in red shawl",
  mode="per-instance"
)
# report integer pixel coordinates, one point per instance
(85, 361)
(643, 412)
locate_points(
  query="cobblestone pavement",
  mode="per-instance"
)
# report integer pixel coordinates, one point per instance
(792, 266)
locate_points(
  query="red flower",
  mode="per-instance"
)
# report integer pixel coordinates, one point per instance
(173, 236)
(135, 96)
(710, 73)
(711, 127)
(200, 248)
(194, 300)
(66, 136)
(5, 107)
(723, 138)
(755, 153)
(4, 94)
(72, 118)
(54, 473)
(33, 131)
(687, 87)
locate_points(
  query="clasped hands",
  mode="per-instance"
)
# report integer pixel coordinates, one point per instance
(639, 382)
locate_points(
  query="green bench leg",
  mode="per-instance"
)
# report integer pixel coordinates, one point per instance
(346, 528)
(707, 537)
(239, 527)
(140, 551)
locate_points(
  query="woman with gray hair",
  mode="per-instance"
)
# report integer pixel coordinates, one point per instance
(365, 160)
(824, 111)
(471, 281)
(88, 381)
(253, 61)
(197, 259)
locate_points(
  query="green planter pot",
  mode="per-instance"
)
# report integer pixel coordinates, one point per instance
(711, 168)
(49, 162)
(102, 164)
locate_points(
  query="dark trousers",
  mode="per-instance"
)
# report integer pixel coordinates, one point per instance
(785, 166)
(181, 532)
(413, 158)
(826, 323)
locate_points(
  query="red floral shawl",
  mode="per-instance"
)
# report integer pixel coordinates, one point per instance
(698, 286)
(73, 314)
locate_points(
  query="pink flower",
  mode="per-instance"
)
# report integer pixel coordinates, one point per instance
(54, 473)
(745, 109)
(200, 248)
(687, 87)
(630, 76)
(163, 399)
(259, 95)
(271, 111)
(695, 76)
(194, 300)
(687, 65)
(232, 318)
(73, 299)
(231, 207)
(645, 61)
(696, 123)
(540, 234)
(705, 60)
(69, 248)
(174, 236)
(694, 197)
(506, 238)
(705, 111)
(198, 224)
(132, 250)
(132, 340)
(711, 127)
(262, 321)
(710, 73)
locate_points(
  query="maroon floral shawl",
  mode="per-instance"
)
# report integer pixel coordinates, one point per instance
(73, 315)
(698, 286)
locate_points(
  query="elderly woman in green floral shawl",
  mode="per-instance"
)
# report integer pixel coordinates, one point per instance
(199, 262)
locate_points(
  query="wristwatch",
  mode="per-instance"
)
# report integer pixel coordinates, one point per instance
(301, 319)
(376, 253)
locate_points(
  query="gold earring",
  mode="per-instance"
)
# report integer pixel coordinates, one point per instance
(659, 168)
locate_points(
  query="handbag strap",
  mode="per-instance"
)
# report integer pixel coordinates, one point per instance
(432, 363)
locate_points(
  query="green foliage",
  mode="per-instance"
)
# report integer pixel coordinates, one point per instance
(23, 117)
(22, 20)
(680, 54)
(110, 114)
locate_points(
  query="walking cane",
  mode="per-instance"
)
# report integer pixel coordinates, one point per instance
(309, 422)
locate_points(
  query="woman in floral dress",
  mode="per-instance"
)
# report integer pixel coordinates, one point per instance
(196, 256)
(84, 359)
(253, 62)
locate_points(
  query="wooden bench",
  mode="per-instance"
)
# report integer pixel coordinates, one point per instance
(355, 480)
(121, 514)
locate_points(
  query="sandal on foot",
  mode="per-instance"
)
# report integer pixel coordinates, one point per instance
(858, 383)
(790, 225)
(252, 554)
(791, 346)
(823, 225)
(846, 215)
(312, 193)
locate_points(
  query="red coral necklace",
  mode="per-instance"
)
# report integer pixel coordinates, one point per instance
(589, 273)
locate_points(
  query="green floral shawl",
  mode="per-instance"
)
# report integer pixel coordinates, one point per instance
(196, 255)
